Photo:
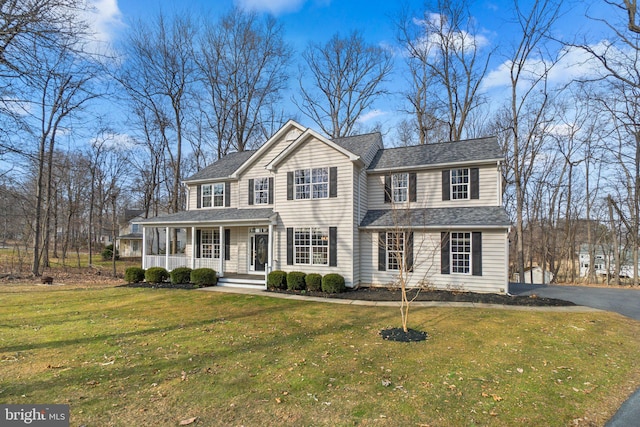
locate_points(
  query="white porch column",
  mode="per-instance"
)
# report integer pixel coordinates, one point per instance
(269, 265)
(144, 247)
(193, 248)
(166, 248)
(222, 254)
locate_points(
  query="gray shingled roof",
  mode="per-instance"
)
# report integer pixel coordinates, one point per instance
(481, 216)
(211, 216)
(359, 144)
(435, 154)
(223, 167)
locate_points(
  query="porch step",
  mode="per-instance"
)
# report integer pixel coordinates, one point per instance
(241, 282)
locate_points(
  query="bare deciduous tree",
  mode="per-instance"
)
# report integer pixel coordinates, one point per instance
(341, 80)
(447, 61)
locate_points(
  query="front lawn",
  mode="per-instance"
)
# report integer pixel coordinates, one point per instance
(124, 356)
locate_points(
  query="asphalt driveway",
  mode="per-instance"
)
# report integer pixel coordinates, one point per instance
(623, 301)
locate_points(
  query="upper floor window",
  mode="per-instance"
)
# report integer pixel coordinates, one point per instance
(311, 183)
(135, 228)
(400, 187)
(459, 184)
(212, 195)
(261, 191)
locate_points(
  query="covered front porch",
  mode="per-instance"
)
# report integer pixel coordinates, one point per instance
(232, 242)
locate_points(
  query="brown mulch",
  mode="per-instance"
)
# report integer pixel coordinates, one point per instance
(388, 294)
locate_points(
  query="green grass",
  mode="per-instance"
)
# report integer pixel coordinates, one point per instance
(125, 357)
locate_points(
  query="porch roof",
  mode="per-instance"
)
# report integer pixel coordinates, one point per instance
(224, 216)
(440, 218)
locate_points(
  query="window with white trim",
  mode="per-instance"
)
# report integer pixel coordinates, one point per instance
(311, 183)
(311, 246)
(206, 195)
(460, 184)
(261, 191)
(395, 250)
(209, 243)
(400, 187)
(461, 253)
(218, 194)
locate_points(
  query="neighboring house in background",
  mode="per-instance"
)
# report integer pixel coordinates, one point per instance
(129, 241)
(604, 261)
(303, 202)
(535, 276)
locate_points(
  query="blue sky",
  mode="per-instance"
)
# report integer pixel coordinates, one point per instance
(318, 20)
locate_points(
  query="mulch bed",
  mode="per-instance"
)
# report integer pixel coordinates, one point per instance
(388, 294)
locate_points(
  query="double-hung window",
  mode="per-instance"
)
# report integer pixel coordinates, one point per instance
(212, 195)
(395, 250)
(218, 194)
(261, 191)
(459, 184)
(311, 246)
(461, 253)
(311, 183)
(400, 187)
(209, 243)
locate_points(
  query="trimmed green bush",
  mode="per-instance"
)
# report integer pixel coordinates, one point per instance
(313, 282)
(333, 284)
(277, 279)
(295, 281)
(180, 275)
(156, 275)
(204, 277)
(134, 275)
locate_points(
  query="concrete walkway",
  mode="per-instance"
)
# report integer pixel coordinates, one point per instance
(625, 302)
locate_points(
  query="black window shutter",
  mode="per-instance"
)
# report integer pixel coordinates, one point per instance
(270, 190)
(387, 189)
(409, 251)
(251, 191)
(333, 181)
(227, 194)
(227, 244)
(446, 185)
(289, 246)
(382, 251)
(198, 236)
(199, 195)
(474, 179)
(444, 253)
(289, 185)
(333, 246)
(476, 253)
(412, 187)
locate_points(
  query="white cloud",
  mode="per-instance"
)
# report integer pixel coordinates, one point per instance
(115, 141)
(438, 32)
(371, 115)
(275, 7)
(575, 63)
(105, 21)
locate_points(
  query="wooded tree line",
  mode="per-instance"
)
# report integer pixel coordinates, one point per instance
(87, 130)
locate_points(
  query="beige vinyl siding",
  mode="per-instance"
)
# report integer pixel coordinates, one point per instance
(258, 169)
(330, 212)
(427, 263)
(429, 190)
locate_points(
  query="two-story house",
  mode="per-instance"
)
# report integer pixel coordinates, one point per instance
(349, 206)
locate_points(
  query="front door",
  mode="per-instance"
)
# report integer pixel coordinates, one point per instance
(260, 251)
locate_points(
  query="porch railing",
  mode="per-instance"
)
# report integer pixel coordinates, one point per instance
(175, 261)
